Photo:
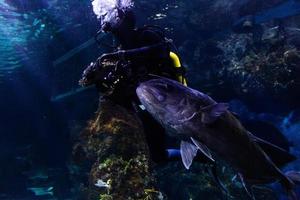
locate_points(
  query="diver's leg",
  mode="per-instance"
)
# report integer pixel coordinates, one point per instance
(155, 136)
(173, 154)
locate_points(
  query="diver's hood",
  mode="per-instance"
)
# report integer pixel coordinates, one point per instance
(112, 20)
(111, 12)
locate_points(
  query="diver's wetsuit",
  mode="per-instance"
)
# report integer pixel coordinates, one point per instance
(148, 53)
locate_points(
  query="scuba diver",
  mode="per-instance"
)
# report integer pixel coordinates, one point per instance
(146, 51)
(143, 54)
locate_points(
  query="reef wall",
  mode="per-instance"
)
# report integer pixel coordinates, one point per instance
(113, 152)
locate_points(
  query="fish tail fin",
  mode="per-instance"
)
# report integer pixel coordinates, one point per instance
(289, 185)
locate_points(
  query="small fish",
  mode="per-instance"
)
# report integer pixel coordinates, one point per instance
(35, 22)
(204, 125)
(41, 191)
(102, 184)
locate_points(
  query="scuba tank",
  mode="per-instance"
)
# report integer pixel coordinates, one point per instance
(177, 69)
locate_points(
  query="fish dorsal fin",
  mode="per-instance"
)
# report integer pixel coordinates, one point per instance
(278, 155)
(263, 142)
(236, 115)
(203, 148)
(188, 151)
(212, 112)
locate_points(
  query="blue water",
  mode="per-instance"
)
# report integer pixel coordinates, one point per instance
(45, 45)
(286, 9)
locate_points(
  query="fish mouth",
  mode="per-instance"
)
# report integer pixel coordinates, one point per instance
(149, 95)
(144, 95)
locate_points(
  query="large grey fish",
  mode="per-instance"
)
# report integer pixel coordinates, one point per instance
(203, 124)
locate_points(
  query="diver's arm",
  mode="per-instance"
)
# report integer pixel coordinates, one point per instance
(159, 50)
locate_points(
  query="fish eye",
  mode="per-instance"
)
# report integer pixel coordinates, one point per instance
(161, 97)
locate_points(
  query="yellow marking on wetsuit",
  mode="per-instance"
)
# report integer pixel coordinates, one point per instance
(176, 62)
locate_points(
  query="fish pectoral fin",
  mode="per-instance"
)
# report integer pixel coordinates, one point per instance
(212, 112)
(203, 148)
(188, 152)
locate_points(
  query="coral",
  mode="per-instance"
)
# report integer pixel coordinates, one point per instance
(113, 144)
(106, 197)
(253, 68)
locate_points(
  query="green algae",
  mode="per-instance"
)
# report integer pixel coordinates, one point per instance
(115, 146)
